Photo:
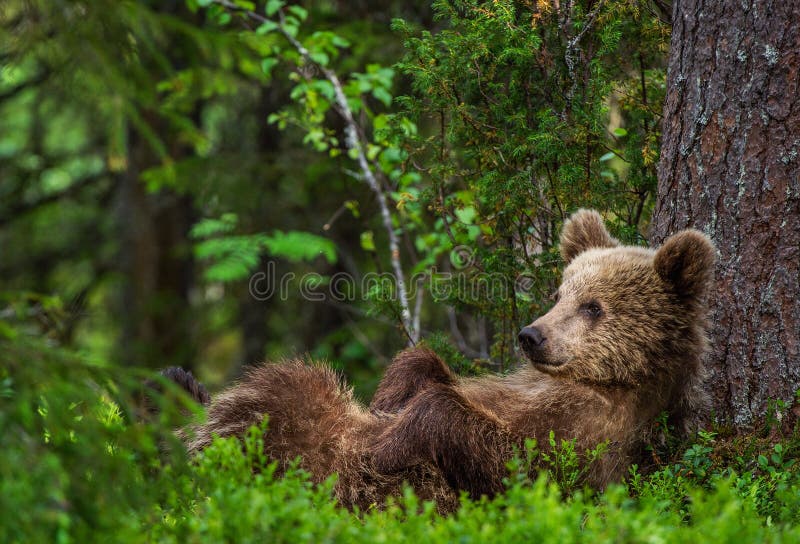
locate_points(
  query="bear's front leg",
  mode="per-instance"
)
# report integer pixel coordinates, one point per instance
(411, 371)
(470, 446)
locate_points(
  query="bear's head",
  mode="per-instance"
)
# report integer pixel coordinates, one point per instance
(624, 315)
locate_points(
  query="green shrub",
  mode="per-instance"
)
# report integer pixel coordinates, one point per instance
(77, 466)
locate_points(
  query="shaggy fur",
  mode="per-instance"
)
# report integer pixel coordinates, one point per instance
(622, 344)
(153, 389)
(314, 417)
(189, 383)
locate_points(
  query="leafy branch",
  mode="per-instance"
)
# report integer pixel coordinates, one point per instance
(287, 27)
(233, 257)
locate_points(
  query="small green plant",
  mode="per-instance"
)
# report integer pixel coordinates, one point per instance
(565, 466)
(776, 410)
(523, 464)
(696, 460)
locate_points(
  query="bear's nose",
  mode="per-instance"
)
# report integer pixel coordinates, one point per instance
(531, 336)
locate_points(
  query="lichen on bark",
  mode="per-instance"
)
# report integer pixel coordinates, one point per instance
(729, 166)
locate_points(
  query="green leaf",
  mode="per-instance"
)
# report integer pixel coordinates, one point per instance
(272, 7)
(392, 155)
(297, 246)
(352, 205)
(210, 227)
(267, 65)
(372, 151)
(228, 270)
(266, 27)
(367, 241)
(408, 179)
(383, 95)
(466, 215)
(380, 121)
(290, 28)
(273, 118)
(223, 18)
(619, 132)
(300, 12)
(320, 57)
(325, 88)
(338, 41)
(608, 156)
(233, 257)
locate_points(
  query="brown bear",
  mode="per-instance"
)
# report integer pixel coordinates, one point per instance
(622, 344)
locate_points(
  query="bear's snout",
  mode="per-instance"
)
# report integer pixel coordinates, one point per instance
(531, 339)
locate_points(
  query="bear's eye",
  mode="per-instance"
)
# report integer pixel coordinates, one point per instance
(555, 296)
(592, 309)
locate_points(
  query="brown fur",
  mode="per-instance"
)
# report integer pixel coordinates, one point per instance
(595, 376)
(583, 230)
(314, 417)
(188, 382)
(153, 389)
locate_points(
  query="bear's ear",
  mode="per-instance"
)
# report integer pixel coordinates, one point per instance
(686, 261)
(584, 230)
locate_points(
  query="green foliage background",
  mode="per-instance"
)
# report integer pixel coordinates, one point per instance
(155, 156)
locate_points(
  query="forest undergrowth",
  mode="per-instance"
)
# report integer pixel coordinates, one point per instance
(79, 465)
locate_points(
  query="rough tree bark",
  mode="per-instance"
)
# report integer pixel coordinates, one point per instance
(730, 167)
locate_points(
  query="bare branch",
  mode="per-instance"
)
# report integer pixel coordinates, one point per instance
(461, 342)
(573, 45)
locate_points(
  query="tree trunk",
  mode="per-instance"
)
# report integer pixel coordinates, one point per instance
(157, 269)
(730, 167)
